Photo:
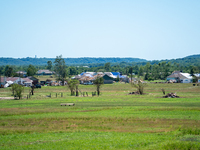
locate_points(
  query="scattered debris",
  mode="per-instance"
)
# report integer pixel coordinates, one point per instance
(171, 95)
(132, 93)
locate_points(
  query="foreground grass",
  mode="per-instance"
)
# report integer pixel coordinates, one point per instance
(114, 120)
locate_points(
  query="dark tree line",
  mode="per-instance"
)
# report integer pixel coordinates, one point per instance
(153, 70)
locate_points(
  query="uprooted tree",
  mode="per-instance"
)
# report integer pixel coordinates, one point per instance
(98, 82)
(139, 85)
(73, 84)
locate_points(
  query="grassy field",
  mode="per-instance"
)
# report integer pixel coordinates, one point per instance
(114, 120)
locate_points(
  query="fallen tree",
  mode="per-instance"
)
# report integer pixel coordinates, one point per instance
(171, 95)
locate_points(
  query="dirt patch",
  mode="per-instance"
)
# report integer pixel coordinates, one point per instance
(3, 98)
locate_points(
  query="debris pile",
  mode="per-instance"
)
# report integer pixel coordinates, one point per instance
(131, 93)
(171, 95)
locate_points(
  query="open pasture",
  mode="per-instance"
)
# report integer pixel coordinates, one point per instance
(114, 120)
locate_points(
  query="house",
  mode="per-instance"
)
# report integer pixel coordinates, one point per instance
(116, 74)
(91, 73)
(86, 80)
(187, 78)
(180, 77)
(27, 82)
(107, 79)
(76, 77)
(22, 73)
(44, 72)
(99, 73)
(110, 75)
(16, 80)
(2, 81)
(34, 80)
(124, 78)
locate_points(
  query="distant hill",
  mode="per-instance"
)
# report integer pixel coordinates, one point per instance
(68, 61)
(193, 56)
(94, 62)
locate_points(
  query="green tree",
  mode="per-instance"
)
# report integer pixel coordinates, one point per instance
(31, 70)
(60, 69)
(8, 71)
(13, 87)
(107, 67)
(49, 65)
(72, 71)
(17, 90)
(73, 84)
(141, 71)
(192, 70)
(98, 82)
(155, 72)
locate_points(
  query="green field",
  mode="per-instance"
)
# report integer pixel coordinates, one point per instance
(114, 120)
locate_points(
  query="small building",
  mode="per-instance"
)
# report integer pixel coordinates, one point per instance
(44, 72)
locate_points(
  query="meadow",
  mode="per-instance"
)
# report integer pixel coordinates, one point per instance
(114, 120)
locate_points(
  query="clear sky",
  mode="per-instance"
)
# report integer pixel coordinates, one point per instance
(148, 29)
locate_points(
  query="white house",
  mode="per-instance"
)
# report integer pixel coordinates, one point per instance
(180, 77)
(18, 80)
(186, 78)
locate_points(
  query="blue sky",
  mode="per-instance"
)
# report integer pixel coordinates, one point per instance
(148, 29)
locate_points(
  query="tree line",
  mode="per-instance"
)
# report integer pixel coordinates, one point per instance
(148, 70)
